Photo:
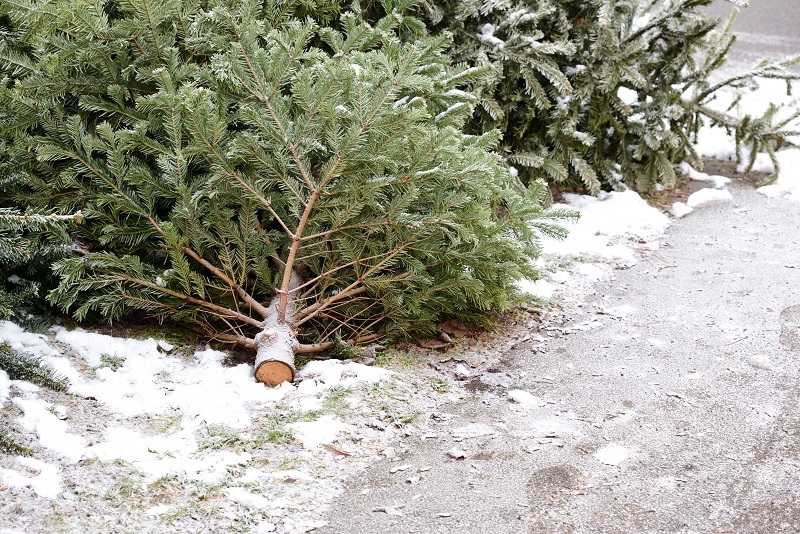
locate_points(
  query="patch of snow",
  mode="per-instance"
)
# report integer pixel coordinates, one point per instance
(21, 340)
(488, 37)
(449, 111)
(322, 431)
(679, 209)
(92, 347)
(320, 375)
(158, 510)
(787, 185)
(525, 398)
(160, 455)
(717, 181)
(247, 498)
(707, 195)
(612, 455)
(717, 143)
(538, 288)
(458, 93)
(52, 432)
(606, 224)
(761, 361)
(46, 484)
(628, 96)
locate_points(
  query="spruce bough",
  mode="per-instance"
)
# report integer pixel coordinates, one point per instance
(277, 185)
(604, 94)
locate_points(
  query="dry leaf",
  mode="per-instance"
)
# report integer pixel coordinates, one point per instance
(334, 450)
(433, 344)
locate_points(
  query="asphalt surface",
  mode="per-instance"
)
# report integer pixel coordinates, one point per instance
(765, 29)
(699, 386)
(695, 395)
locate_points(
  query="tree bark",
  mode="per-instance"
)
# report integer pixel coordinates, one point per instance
(275, 355)
(276, 343)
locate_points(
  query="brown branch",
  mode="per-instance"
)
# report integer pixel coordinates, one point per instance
(234, 339)
(302, 348)
(314, 309)
(223, 311)
(252, 302)
(336, 269)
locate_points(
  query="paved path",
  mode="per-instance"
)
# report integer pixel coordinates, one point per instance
(768, 28)
(697, 390)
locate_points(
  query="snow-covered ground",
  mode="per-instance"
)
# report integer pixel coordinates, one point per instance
(154, 438)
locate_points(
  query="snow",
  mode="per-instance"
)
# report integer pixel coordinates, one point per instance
(449, 111)
(610, 229)
(19, 339)
(246, 498)
(717, 181)
(718, 144)
(628, 96)
(525, 398)
(45, 484)
(787, 185)
(53, 433)
(135, 380)
(707, 195)
(324, 430)
(606, 219)
(458, 93)
(488, 37)
(612, 455)
(679, 209)
(135, 383)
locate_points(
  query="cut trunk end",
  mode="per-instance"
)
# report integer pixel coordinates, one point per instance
(274, 373)
(275, 357)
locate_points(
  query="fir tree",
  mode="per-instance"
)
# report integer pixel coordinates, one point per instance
(599, 92)
(277, 185)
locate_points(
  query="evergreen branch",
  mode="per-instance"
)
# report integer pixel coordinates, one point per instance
(24, 366)
(235, 287)
(212, 147)
(283, 292)
(8, 445)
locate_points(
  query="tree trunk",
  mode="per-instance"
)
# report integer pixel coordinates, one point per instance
(274, 363)
(275, 356)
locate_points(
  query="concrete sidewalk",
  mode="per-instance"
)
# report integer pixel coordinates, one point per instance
(676, 411)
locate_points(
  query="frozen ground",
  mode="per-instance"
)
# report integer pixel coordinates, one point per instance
(156, 438)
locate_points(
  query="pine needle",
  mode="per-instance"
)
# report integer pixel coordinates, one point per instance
(23, 366)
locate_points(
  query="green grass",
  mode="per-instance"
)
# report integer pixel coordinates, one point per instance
(438, 383)
(112, 362)
(397, 359)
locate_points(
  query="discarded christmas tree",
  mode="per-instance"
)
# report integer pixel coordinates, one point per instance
(600, 93)
(277, 195)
